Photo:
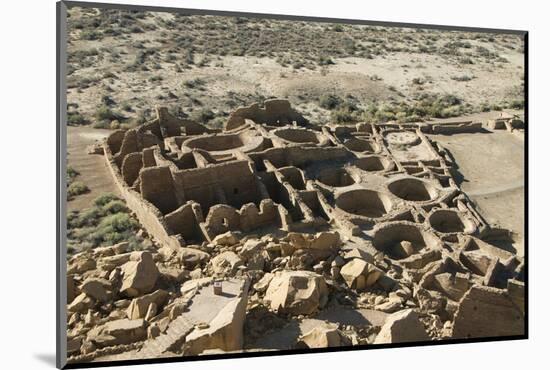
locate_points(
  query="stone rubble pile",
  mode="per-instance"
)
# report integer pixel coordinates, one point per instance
(223, 295)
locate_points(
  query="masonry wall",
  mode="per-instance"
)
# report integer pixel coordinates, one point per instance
(147, 214)
(233, 183)
(222, 218)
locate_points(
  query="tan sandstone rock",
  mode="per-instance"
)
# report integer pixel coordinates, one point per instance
(80, 264)
(139, 306)
(140, 274)
(400, 327)
(228, 238)
(323, 336)
(192, 257)
(82, 303)
(97, 288)
(226, 263)
(359, 274)
(297, 292)
(224, 330)
(119, 332)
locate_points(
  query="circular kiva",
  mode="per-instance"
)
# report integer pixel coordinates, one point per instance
(413, 189)
(299, 136)
(360, 145)
(402, 138)
(335, 177)
(450, 221)
(373, 163)
(400, 240)
(221, 143)
(363, 202)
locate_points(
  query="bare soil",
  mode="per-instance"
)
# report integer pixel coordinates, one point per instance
(92, 168)
(138, 60)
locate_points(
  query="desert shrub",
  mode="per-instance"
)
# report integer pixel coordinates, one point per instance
(104, 113)
(90, 35)
(106, 222)
(203, 62)
(329, 101)
(87, 217)
(106, 100)
(202, 115)
(76, 188)
(344, 114)
(117, 222)
(483, 51)
(127, 107)
(484, 107)
(516, 104)
(115, 206)
(111, 229)
(194, 83)
(217, 123)
(104, 199)
(324, 60)
(109, 75)
(136, 29)
(76, 119)
(71, 174)
(297, 64)
(462, 78)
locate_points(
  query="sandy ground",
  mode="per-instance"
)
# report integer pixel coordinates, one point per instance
(92, 168)
(396, 75)
(492, 165)
(379, 79)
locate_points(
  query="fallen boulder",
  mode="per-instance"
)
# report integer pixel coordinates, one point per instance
(297, 292)
(139, 306)
(191, 257)
(359, 274)
(117, 332)
(82, 303)
(139, 274)
(80, 264)
(400, 327)
(226, 263)
(227, 239)
(97, 288)
(323, 336)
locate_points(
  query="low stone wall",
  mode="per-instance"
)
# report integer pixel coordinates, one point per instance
(275, 112)
(222, 218)
(456, 127)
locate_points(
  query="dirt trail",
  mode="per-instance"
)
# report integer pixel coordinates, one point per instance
(92, 168)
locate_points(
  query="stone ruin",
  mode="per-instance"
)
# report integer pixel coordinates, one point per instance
(273, 223)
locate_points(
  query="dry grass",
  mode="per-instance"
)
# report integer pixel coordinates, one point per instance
(204, 66)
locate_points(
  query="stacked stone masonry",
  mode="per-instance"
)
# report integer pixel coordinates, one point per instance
(371, 209)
